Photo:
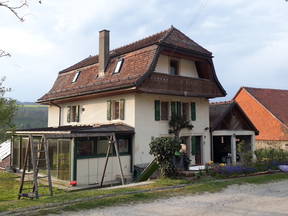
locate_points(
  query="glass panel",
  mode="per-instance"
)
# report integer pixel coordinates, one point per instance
(64, 159)
(123, 146)
(102, 146)
(164, 110)
(86, 147)
(52, 146)
(24, 146)
(16, 152)
(185, 112)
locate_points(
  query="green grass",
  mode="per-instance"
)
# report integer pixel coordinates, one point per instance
(8, 201)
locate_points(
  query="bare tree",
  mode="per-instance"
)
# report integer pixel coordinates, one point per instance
(13, 8)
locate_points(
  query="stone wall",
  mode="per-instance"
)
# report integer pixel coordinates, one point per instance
(272, 144)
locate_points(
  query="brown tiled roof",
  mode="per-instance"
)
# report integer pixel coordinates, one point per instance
(220, 110)
(135, 65)
(170, 36)
(275, 100)
(139, 58)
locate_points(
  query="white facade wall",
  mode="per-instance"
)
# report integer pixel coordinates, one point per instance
(53, 116)
(187, 68)
(93, 111)
(146, 127)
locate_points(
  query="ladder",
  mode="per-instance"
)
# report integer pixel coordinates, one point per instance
(36, 152)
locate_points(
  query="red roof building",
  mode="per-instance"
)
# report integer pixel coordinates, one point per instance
(268, 110)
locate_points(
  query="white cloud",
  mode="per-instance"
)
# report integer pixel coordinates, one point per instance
(20, 41)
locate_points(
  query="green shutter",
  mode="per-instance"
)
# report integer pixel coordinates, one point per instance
(78, 113)
(179, 105)
(157, 110)
(69, 114)
(173, 108)
(109, 110)
(122, 109)
(193, 145)
(193, 111)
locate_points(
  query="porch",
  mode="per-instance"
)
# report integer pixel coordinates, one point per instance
(81, 153)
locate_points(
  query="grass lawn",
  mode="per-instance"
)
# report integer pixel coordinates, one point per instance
(9, 189)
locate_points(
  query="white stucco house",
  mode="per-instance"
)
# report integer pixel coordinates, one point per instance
(132, 92)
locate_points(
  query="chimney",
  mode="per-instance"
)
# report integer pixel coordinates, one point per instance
(103, 51)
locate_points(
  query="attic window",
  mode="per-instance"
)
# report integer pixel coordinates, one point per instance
(76, 76)
(118, 66)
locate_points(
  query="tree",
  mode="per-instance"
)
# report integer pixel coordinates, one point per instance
(7, 112)
(177, 123)
(163, 149)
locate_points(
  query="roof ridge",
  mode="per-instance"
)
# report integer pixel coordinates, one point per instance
(222, 102)
(246, 87)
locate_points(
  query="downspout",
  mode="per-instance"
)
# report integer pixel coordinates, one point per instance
(60, 112)
(211, 143)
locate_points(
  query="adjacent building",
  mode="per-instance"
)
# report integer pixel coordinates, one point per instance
(268, 111)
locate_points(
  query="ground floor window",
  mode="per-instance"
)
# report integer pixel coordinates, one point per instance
(98, 146)
(59, 155)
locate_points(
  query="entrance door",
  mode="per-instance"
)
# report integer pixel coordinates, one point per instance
(196, 149)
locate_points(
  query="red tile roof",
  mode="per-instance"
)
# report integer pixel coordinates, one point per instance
(275, 100)
(170, 36)
(139, 58)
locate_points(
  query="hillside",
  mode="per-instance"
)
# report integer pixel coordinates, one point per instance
(31, 115)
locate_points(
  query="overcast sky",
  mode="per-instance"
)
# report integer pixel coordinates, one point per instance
(249, 39)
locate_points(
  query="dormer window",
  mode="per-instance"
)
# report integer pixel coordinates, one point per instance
(76, 77)
(174, 67)
(118, 66)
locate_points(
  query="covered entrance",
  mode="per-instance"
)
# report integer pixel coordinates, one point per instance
(231, 132)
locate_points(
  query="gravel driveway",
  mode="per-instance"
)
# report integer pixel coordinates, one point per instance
(248, 200)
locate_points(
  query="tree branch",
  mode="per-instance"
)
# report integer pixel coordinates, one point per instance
(3, 53)
(14, 9)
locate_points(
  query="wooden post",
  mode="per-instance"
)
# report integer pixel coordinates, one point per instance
(35, 185)
(46, 148)
(233, 148)
(24, 169)
(106, 161)
(117, 153)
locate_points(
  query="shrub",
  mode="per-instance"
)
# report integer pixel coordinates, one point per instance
(269, 155)
(163, 149)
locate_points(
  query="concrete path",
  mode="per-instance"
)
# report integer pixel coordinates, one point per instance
(248, 200)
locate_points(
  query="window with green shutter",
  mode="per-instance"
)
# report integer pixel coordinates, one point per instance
(193, 111)
(69, 114)
(179, 105)
(109, 110)
(157, 110)
(122, 109)
(173, 108)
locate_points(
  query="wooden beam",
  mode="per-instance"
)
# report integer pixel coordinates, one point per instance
(106, 161)
(117, 153)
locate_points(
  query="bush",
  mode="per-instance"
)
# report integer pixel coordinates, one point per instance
(163, 149)
(270, 155)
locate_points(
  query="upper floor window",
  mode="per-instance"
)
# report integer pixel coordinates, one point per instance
(118, 66)
(174, 67)
(176, 109)
(115, 109)
(76, 76)
(73, 114)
